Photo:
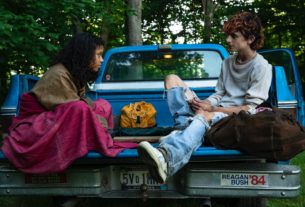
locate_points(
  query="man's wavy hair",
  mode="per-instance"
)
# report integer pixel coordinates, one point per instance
(249, 25)
(77, 56)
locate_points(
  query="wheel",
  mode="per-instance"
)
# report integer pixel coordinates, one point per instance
(240, 202)
(252, 202)
(59, 201)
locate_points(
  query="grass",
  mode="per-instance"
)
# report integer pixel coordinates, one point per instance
(300, 200)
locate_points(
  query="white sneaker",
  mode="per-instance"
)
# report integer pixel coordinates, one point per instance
(155, 161)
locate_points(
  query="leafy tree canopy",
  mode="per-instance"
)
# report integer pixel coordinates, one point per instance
(33, 31)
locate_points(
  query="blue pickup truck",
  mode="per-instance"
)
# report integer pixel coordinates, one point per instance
(135, 73)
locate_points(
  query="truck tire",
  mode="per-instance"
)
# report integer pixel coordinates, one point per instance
(246, 202)
(252, 202)
(240, 202)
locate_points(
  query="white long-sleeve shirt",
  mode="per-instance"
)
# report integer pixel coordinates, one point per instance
(246, 84)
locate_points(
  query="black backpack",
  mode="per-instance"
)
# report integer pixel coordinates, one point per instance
(274, 135)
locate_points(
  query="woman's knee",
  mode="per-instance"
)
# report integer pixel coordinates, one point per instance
(73, 107)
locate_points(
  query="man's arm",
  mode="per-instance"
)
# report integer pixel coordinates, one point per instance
(231, 110)
(207, 106)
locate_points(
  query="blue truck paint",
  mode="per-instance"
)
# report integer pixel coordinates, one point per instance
(284, 94)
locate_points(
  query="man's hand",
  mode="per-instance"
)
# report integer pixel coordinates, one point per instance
(204, 105)
(205, 114)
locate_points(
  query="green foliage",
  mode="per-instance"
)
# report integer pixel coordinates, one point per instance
(284, 26)
(299, 201)
(160, 16)
(32, 32)
(35, 30)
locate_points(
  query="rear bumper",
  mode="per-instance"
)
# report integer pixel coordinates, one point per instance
(194, 181)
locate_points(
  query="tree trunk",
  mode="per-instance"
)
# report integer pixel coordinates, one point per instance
(134, 23)
(3, 82)
(208, 9)
(105, 34)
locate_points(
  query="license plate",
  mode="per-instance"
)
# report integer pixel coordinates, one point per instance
(45, 179)
(249, 180)
(133, 179)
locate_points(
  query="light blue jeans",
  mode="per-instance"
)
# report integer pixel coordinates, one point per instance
(180, 144)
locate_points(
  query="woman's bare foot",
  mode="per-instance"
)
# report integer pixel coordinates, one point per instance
(205, 114)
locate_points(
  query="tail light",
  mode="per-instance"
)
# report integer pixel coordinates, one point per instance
(5, 122)
(290, 106)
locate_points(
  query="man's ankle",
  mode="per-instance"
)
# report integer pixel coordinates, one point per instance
(164, 153)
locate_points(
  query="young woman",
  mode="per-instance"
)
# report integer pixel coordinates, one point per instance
(55, 124)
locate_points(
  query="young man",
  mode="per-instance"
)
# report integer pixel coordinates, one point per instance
(243, 84)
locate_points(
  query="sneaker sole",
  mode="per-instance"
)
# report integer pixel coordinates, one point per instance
(151, 160)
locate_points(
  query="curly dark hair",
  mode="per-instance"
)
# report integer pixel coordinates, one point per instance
(249, 25)
(77, 56)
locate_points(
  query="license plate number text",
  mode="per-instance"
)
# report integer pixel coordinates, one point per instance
(134, 179)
